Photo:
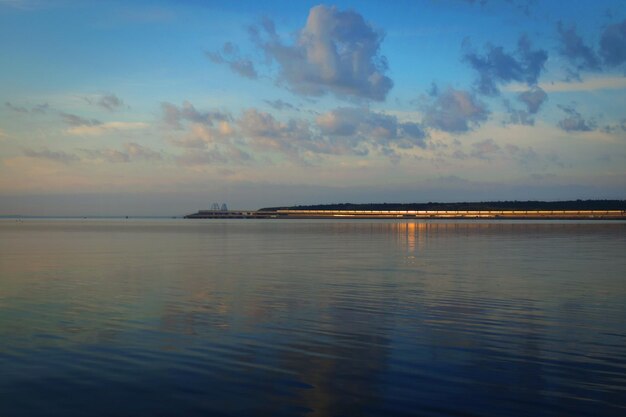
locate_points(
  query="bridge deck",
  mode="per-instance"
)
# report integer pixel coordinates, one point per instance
(412, 214)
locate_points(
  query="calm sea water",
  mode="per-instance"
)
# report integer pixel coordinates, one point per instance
(312, 318)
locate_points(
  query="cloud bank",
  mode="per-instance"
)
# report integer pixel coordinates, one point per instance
(221, 137)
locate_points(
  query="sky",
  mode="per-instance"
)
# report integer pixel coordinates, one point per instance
(166, 107)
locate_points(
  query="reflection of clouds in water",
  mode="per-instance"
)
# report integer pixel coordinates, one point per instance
(322, 317)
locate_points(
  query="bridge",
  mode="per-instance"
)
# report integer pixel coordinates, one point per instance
(412, 214)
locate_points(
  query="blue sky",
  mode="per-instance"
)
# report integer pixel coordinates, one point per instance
(163, 107)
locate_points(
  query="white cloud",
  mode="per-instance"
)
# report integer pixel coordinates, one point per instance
(455, 111)
(136, 151)
(58, 156)
(109, 102)
(589, 84)
(337, 52)
(130, 152)
(103, 128)
(378, 129)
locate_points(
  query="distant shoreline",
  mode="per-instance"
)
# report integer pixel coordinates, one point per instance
(521, 210)
(474, 206)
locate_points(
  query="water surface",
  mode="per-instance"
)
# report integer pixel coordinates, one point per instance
(312, 318)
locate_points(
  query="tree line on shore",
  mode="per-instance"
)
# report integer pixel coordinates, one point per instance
(483, 206)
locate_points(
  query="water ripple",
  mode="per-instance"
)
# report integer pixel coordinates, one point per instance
(321, 318)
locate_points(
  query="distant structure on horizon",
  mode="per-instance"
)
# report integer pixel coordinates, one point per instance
(217, 207)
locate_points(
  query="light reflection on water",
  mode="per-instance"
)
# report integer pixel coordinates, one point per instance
(314, 318)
